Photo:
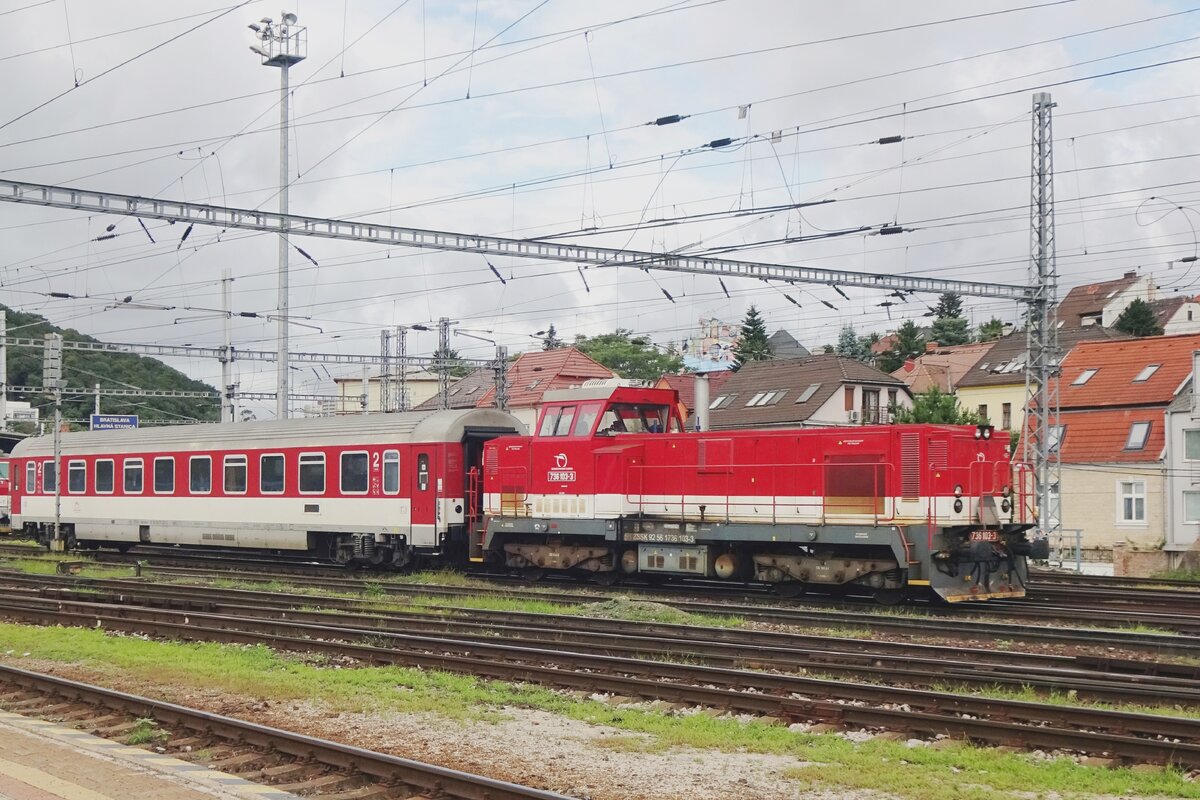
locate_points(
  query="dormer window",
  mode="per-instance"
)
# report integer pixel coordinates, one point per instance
(1084, 377)
(1146, 372)
(807, 394)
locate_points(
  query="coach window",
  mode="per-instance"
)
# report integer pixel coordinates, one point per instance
(200, 475)
(312, 473)
(164, 475)
(391, 471)
(133, 476)
(270, 474)
(422, 472)
(49, 477)
(76, 477)
(355, 476)
(104, 476)
(235, 474)
(30, 477)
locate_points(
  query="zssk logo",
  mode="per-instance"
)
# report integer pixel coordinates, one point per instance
(562, 471)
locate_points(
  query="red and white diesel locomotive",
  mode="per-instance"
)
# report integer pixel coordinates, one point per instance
(608, 486)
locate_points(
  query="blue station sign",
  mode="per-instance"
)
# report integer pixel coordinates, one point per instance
(113, 422)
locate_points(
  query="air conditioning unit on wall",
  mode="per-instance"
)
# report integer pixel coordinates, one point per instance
(853, 415)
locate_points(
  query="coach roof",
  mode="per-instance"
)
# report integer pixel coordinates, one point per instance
(374, 429)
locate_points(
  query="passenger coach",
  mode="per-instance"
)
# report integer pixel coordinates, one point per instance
(380, 489)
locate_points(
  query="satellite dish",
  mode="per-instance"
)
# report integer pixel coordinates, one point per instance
(289, 18)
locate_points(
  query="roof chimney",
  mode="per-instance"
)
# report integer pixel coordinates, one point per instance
(909, 365)
(1131, 274)
(931, 346)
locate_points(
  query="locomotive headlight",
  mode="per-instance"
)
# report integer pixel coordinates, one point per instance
(1005, 506)
(958, 505)
(958, 490)
(1006, 491)
(987, 433)
(979, 433)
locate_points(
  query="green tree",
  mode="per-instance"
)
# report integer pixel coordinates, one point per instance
(451, 361)
(551, 341)
(110, 370)
(909, 343)
(1138, 319)
(629, 356)
(752, 343)
(991, 330)
(950, 331)
(948, 305)
(937, 408)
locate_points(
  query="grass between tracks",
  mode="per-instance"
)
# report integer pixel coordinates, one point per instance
(40, 565)
(958, 771)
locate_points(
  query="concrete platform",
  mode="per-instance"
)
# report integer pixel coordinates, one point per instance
(43, 761)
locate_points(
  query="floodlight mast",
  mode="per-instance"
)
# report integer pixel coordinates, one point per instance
(283, 45)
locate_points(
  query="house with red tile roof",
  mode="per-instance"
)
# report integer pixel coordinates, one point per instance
(1110, 434)
(941, 367)
(1101, 304)
(530, 376)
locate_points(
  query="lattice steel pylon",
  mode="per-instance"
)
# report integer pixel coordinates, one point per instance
(1041, 429)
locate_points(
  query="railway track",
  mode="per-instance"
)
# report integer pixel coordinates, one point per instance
(290, 761)
(790, 697)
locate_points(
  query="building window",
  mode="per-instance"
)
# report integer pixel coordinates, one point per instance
(270, 474)
(76, 477)
(1191, 507)
(391, 471)
(312, 473)
(983, 415)
(1006, 419)
(1145, 374)
(1132, 498)
(849, 398)
(871, 406)
(104, 476)
(355, 474)
(1084, 377)
(1057, 434)
(200, 474)
(133, 476)
(1191, 445)
(722, 401)
(1139, 432)
(235, 475)
(164, 475)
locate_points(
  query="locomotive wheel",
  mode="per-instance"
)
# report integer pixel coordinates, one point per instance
(889, 597)
(533, 574)
(788, 588)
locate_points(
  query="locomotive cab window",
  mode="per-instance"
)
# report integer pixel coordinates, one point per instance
(355, 473)
(30, 477)
(235, 475)
(49, 477)
(77, 477)
(557, 421)
(585, 419)
(635, 418)
(391, 472)
(200, 475)
(270, 474)
(422, 472)
(164, 475)
(312, 473)
(104, 476)
(133, 476)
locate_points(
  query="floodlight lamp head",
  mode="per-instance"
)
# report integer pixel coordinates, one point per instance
(256, 49)
(254, 27)
(266, 20)
(289, 18)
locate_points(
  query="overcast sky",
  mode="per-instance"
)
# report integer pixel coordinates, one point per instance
(527, 118)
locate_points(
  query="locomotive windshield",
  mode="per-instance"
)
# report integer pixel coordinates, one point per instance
(636, 418)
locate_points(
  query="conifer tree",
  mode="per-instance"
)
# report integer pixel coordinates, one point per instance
(752, 343)
(1138, 319)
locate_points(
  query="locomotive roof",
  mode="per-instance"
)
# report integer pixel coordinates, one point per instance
(413, 426)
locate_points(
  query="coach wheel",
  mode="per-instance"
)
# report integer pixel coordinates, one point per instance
(889, 597)
(533, 574)
(789, 588)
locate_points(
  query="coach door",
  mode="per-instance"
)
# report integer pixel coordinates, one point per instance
(423, 490)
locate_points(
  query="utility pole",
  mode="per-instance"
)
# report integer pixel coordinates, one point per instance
(502, 377)
(1041, 375)
(96, 404)
(385, 374)
(283, 45)
(4, 370)
(443, 362)
(365, 397)
(227, 410)
(52, 379)
(402, 358)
